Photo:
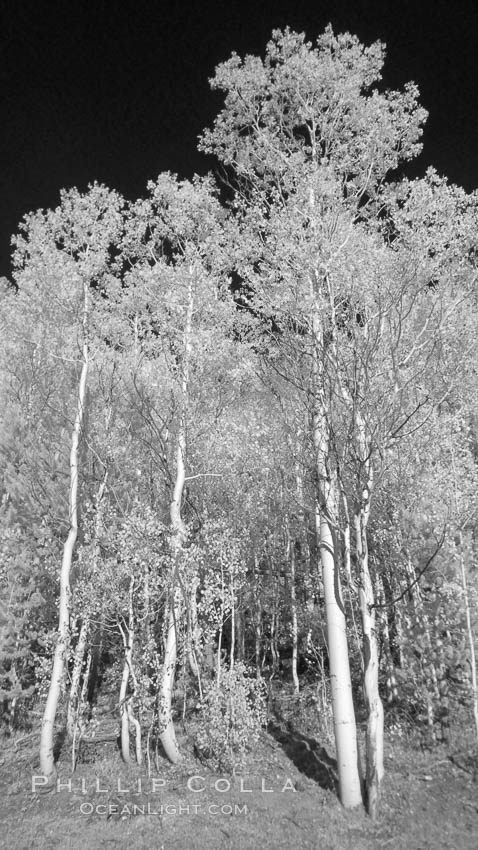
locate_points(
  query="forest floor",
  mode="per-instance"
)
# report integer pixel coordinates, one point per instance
(284, 797)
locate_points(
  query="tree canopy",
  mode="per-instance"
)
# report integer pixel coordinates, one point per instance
(239, 435)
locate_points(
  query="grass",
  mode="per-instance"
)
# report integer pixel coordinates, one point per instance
(284, 797)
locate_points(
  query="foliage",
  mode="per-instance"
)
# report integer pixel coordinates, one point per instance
(233, 713)
(211, 321)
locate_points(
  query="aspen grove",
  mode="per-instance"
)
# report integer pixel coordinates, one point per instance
(239, 438)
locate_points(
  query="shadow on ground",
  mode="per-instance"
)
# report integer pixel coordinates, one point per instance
(58, 744)
(308, 756)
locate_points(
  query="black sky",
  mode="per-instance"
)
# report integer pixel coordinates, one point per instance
(118, 91)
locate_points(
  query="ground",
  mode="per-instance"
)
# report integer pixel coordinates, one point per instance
(285, 796)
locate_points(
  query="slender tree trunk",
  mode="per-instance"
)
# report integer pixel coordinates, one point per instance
(257, 616)
(394, 622)
(73, 702)
(392, 685)
(466, 601)
(221, 629)
(347, 561)
(274, 622)
(79, 728)
(469, 629)
(147, 605)
(194, 649)
(126, 701)
(290, 550)
(430, 678)
(47, 765)
(295, 629)
(233, 621)
(167, 733)
(72, 715)
(178, 539)
(325, 514)
(123, 698)
(340, 680)
(240, 628)
(373, 703)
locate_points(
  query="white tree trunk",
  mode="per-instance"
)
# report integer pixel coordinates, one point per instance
(257, 615)
(221, 627)
(469, 630)
(295, 629)
(392, 684)
(73, 702)
(232, 649)
(466, 598)
(194, 649)
(126, 710)
(290, 555)
(373, 703)
(72, 714)
(167, 734)
(47, 765)
(125, 752)
(429, 672)
(340, 680)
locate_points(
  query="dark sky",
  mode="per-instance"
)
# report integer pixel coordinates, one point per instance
(118, 91)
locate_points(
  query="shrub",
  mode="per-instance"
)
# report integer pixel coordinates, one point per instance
(233, 713)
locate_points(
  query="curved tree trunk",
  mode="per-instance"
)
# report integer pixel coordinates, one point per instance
(74, 700)
(125, 751)
(373, 703)
(47, 765)
(167, 734)
(126, 711)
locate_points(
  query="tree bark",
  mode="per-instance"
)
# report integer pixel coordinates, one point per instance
(240, 627)
(466, 597)
(125, 751)
(290, 550)
(295, 630)
(326, 514)
(382, 615)
(72, 714)
(340, 681)
(257, 615)
(373, 703)
(469, 631)
(178, 538)
(126, 709)
(47, 765)
(73, 702)
(430, 678)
